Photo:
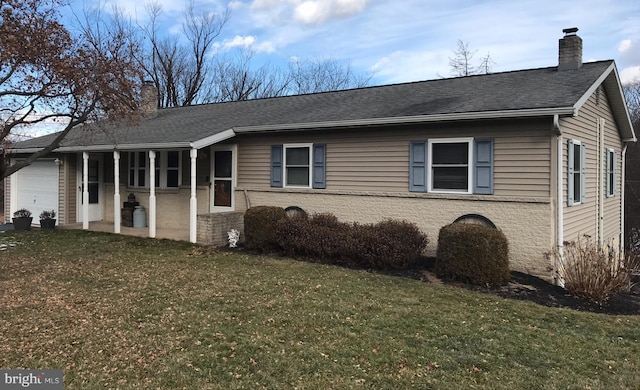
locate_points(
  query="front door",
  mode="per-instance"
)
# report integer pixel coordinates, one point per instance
(96, 195)
(223, 182)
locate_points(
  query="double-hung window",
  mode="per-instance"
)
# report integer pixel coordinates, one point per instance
(168, 169)
(451, 165)
(611, 173)
(298, 165)
(137, 169)
(576, 173)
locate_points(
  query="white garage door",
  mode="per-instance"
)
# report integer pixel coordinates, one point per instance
(37, 188)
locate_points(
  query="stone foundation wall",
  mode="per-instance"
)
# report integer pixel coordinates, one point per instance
(527, 223)
(212, 228)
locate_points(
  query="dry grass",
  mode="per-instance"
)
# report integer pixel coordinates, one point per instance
(123, 312)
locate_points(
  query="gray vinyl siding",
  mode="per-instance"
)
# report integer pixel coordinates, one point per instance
(377, 160)
(583, 219)
(612, 205)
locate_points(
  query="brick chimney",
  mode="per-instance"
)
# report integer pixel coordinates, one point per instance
(149, 99)
(570, 50)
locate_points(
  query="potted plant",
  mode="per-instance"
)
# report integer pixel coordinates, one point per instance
(48, 219)
(22, 219)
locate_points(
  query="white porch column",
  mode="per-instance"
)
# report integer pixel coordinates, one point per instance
(193, 201)
(116, 191)
(152, 194)
(85, 190)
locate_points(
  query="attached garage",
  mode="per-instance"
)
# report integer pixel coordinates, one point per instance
(35, 188)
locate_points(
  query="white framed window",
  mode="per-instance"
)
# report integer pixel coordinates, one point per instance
(138, 169)
(611, 173)
(576, 173)
(297, 165)
(168, 169)
(450, 162)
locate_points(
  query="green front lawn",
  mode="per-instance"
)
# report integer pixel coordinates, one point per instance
(123, 312)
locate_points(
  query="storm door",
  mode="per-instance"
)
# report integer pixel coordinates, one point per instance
(223, 181)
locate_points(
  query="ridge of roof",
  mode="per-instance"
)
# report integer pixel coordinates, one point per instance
(527, 92)
(381, 86)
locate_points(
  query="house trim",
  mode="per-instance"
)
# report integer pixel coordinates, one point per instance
(423, 195)
(503, 114)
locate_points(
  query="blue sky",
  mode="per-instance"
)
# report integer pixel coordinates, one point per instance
(409, 40)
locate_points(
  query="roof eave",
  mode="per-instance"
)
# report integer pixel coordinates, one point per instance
(535, 112)
(611, 81)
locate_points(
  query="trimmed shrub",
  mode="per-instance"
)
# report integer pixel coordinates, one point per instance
(260, 228)
(316, 238)
(385, 246)
(595, 273)
(473, 254)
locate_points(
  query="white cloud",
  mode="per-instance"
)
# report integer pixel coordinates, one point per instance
(236, 5)
(268, 4)
(265, 47)
(624, 46)
(239, 41)
(309, 12)
(405, 66)
(243, 43)
(629, 74)
(319, 11)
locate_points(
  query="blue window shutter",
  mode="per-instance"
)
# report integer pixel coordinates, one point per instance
(583, 176)
(570, 159)
(276, 166)
(483, 167)
(614, 173)
(319, 166)
(418, 167)
(608, 172)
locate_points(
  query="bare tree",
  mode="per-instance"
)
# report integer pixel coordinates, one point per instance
(632, 94)
(632, 165)
(237, 78)
(461, 64)
(179, 71)
(46, 72)
(321, 75)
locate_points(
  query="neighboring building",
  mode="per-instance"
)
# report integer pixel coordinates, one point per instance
(538, 153)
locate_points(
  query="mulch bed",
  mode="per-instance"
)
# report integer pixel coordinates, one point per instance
(530, 288)
(524, 287)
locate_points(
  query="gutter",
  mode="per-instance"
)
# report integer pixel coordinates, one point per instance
(408, 119)
(201, 143)
(559, 279)
(232, 132)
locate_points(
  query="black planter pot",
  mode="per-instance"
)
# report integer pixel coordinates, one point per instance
(47, 224)
(22, 223)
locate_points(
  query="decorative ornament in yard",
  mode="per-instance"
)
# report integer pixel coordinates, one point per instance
(234, 236)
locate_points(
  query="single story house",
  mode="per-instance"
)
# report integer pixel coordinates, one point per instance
(537, 153)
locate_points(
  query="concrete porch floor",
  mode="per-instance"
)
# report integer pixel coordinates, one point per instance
(101, 226)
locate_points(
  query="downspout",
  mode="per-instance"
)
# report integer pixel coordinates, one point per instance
(622, 190)
(601, 181)
(559, 203)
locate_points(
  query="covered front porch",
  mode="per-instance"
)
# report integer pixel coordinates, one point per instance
(102, 226)
(172, 187)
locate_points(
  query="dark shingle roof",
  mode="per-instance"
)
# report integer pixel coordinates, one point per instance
(544, 88)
